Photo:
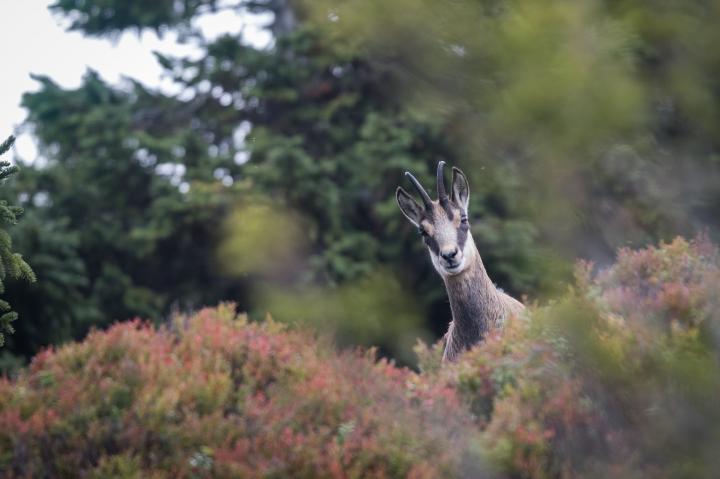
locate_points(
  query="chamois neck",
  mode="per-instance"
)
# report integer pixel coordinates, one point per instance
(474, 300)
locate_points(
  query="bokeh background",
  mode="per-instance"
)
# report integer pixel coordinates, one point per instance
(263, 172)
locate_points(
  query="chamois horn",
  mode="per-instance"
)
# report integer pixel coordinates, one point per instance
(442, 195)
(423, 194)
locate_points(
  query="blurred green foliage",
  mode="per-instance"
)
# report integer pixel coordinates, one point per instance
(375, 311)
(262, 238)
(605, 111)
(103, 17)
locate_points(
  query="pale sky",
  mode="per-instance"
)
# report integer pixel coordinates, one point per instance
(32, 40)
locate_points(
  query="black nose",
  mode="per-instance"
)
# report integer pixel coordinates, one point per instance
(448, 255)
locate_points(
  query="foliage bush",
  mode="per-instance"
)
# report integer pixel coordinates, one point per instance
(619, 377)
(214, 395)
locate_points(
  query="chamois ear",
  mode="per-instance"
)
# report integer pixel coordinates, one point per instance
(409, 207)
(460, 189)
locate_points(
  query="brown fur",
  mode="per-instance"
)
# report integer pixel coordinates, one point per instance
(477, 307)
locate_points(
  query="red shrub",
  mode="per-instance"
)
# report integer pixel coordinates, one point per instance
(216, 395)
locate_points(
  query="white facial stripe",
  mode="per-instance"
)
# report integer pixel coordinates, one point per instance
(469, 247)
(445, 233)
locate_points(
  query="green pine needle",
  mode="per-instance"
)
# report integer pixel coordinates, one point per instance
(11, 264)
(7, 144)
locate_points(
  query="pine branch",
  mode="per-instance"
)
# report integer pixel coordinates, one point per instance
(7, 144)
(11, 264)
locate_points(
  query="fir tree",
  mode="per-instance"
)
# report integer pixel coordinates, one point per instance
(11, 264)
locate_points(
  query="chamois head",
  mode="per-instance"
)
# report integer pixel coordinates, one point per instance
(443, 223)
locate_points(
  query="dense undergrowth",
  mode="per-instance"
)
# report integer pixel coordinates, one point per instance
(620, 377)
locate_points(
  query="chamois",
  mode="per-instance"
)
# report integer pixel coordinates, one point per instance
(477, 305)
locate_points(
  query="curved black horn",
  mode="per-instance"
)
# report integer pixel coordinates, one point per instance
(423, 194)
(442, 195)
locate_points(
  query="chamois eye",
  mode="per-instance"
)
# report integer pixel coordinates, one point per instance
(463, 220)
(422, 232)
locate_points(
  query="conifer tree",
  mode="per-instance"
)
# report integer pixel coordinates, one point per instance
(11, 264)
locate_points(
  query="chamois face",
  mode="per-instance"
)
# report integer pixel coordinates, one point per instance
(443, 223)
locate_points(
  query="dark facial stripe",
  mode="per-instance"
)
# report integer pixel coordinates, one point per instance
(448, 209)
(462, 235)
(432, 244)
